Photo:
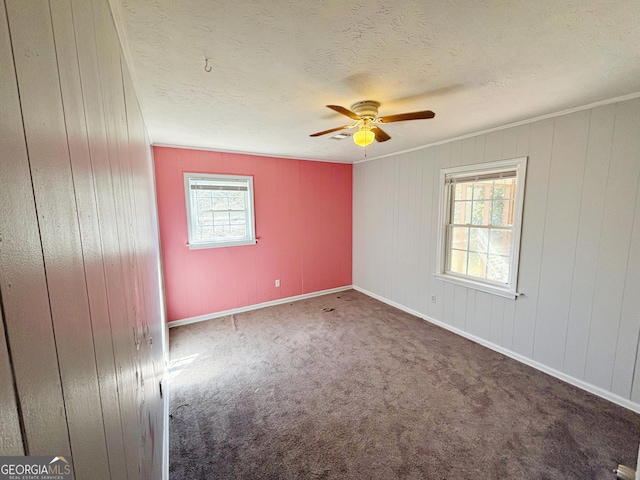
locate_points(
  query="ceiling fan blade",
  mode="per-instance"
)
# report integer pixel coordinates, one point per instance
(381, 135)
(330, 130)
(344, 111)
(407, 116)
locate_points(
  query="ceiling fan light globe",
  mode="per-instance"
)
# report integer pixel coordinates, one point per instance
(363, 137)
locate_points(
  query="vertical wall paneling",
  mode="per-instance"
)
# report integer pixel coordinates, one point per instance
(111, 87)
(483, 315)
(460, 306)
(175, 281)
(447, 295)
(394, 221)
(368, 217)
(493, 146)
(627, 345)
(23, 285)
(447, 303)
(613, 255)
(414, 217)
(146, 402)
(410, 176)
(393, 278)
(588, 242)
(510, 145)
(508, 324)
(60, 233)
(450, 290)
(307, 253)
(579, 270)
(151, 362)
(452, 313)
(292, 244)
(79, 252)
(560, 233)
(10, 434)
(535, 203)
(441, 159)
(361, 224)
(523, 134)
(625, 370)
(390, 176)
(43, 117)
(71, 88)
(144, 280)
(144, 361)
(173, 268)
(497, 320)
(424, 227)
(459, 302)
(326, 190)
(105, 200)
(470, 318)
(379, 209)
(468, 151)
(267, 219)
(631, 303)
(455, 158)
(372, 211)
(480, 147)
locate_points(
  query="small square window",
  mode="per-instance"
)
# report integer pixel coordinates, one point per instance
(219, 210)
(480, 224)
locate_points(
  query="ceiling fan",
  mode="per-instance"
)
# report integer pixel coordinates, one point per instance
(366, 118)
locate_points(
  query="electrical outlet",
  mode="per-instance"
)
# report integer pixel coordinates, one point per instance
(433, 299)
(277, 282)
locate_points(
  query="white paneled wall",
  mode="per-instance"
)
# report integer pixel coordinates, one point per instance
(579, 313)
(81, 338)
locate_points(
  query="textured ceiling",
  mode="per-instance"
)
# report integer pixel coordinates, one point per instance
(276, 64)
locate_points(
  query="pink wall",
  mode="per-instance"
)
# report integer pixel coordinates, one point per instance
(303, 225)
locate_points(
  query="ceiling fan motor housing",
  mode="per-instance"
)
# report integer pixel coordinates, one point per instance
(366, 108)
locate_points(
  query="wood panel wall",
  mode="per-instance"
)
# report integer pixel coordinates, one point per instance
(303, 227)
(579, 314)
(81, 350)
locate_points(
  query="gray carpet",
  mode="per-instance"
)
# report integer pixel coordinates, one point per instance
(345, 387)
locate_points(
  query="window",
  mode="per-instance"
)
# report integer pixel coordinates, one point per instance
(219, 210)
(480, 223)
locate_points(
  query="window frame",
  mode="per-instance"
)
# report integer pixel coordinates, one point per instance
(249, 239)
(508, 290)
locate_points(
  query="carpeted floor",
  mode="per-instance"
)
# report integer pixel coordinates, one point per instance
(345, 387)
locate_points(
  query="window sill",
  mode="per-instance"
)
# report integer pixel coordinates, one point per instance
(200, 246)
(483, 287)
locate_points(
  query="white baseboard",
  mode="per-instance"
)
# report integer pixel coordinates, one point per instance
(607, 395)
(233, 311)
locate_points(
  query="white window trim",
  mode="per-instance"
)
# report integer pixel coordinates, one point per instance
(510, 289)
(193, 245)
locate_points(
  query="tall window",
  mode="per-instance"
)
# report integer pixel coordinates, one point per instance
(219, 210)
(481, 217)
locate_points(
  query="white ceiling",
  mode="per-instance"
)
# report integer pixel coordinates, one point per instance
(277, 63)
